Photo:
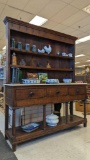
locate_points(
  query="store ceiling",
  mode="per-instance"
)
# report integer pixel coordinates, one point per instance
(65, 16)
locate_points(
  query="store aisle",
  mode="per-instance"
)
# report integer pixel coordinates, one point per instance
(72, 144)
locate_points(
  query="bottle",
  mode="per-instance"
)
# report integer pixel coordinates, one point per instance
(13, 43)
(14, 59)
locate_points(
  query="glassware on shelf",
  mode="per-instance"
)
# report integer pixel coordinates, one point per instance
(14, 59)
(22, 62)
(27, 47)
(20, 45)
(33, 48)
(13, 43)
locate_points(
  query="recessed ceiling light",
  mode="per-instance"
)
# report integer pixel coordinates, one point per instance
(84, 39)
(87, 9)
(77, 62)
(4, 47)
(37, 20)
(80, 55)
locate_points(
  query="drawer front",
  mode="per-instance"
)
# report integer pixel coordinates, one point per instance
(29, 93)
(57, 91)
(77, 90)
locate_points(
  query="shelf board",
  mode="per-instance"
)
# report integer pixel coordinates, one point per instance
(40, 54)
(22, 136)
(41, 68)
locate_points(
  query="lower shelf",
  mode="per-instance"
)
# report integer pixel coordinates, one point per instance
(22, 136)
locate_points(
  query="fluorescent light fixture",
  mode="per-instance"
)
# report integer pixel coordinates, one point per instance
(77, 62)
(38, 20)
(81, 66)
(80, 55)
(4, 47)
(87, 9)
(88, 61)
(84, 39)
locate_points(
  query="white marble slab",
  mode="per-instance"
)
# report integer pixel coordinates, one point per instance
(43, 84)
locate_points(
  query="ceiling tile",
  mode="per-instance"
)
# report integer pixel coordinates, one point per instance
(1, 7)
(82, 23)
(80, 3)
(64, 14)
(86, 28)
(52, 8)
(67, 1)
(77, 33)
(49, 24)
(26, 17)
(3, 1)
(8, 11)
(59, 27)
(34, 6)
(68, 30)
(75, 18)
(17, 3)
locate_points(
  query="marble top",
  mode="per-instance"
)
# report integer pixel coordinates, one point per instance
(43, 84)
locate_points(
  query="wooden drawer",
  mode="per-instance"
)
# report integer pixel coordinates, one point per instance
(57, 91)
(77, 90)
(30, 93)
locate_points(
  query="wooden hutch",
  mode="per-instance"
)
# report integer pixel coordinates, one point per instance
(21, 95)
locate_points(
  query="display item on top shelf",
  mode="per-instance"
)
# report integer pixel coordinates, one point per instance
(27, 47)
(48, 49)
(13, 43)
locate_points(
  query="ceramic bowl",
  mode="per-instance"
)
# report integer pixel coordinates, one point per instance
(52, 121)
(67, 80)
(52, 81)
(51, 117)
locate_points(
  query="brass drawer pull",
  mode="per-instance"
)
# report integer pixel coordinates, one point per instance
(31, 93)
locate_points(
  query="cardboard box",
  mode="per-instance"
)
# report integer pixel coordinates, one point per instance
(80, 107)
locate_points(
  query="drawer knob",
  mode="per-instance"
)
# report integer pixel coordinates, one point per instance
(57, 92)
(31, 93)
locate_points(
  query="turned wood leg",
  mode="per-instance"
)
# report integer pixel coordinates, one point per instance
(66, 111)
(44, 116)
(71, 108)
(85, 123)
(13, 129)
(14, 147)
(6, 120)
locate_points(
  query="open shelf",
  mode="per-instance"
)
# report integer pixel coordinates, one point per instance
(42, 68)
(39, 54)
(72, 121)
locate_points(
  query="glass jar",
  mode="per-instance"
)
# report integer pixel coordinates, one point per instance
(13, 43)
(20, 45)
(33, 48)
(27, 47)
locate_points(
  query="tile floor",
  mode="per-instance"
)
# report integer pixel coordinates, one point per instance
(71, 144)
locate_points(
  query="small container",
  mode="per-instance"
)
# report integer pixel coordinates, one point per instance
(33, 48)
(22, 62)
(20, 45)
(14, 59)
(27, 47)
(13, 43)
